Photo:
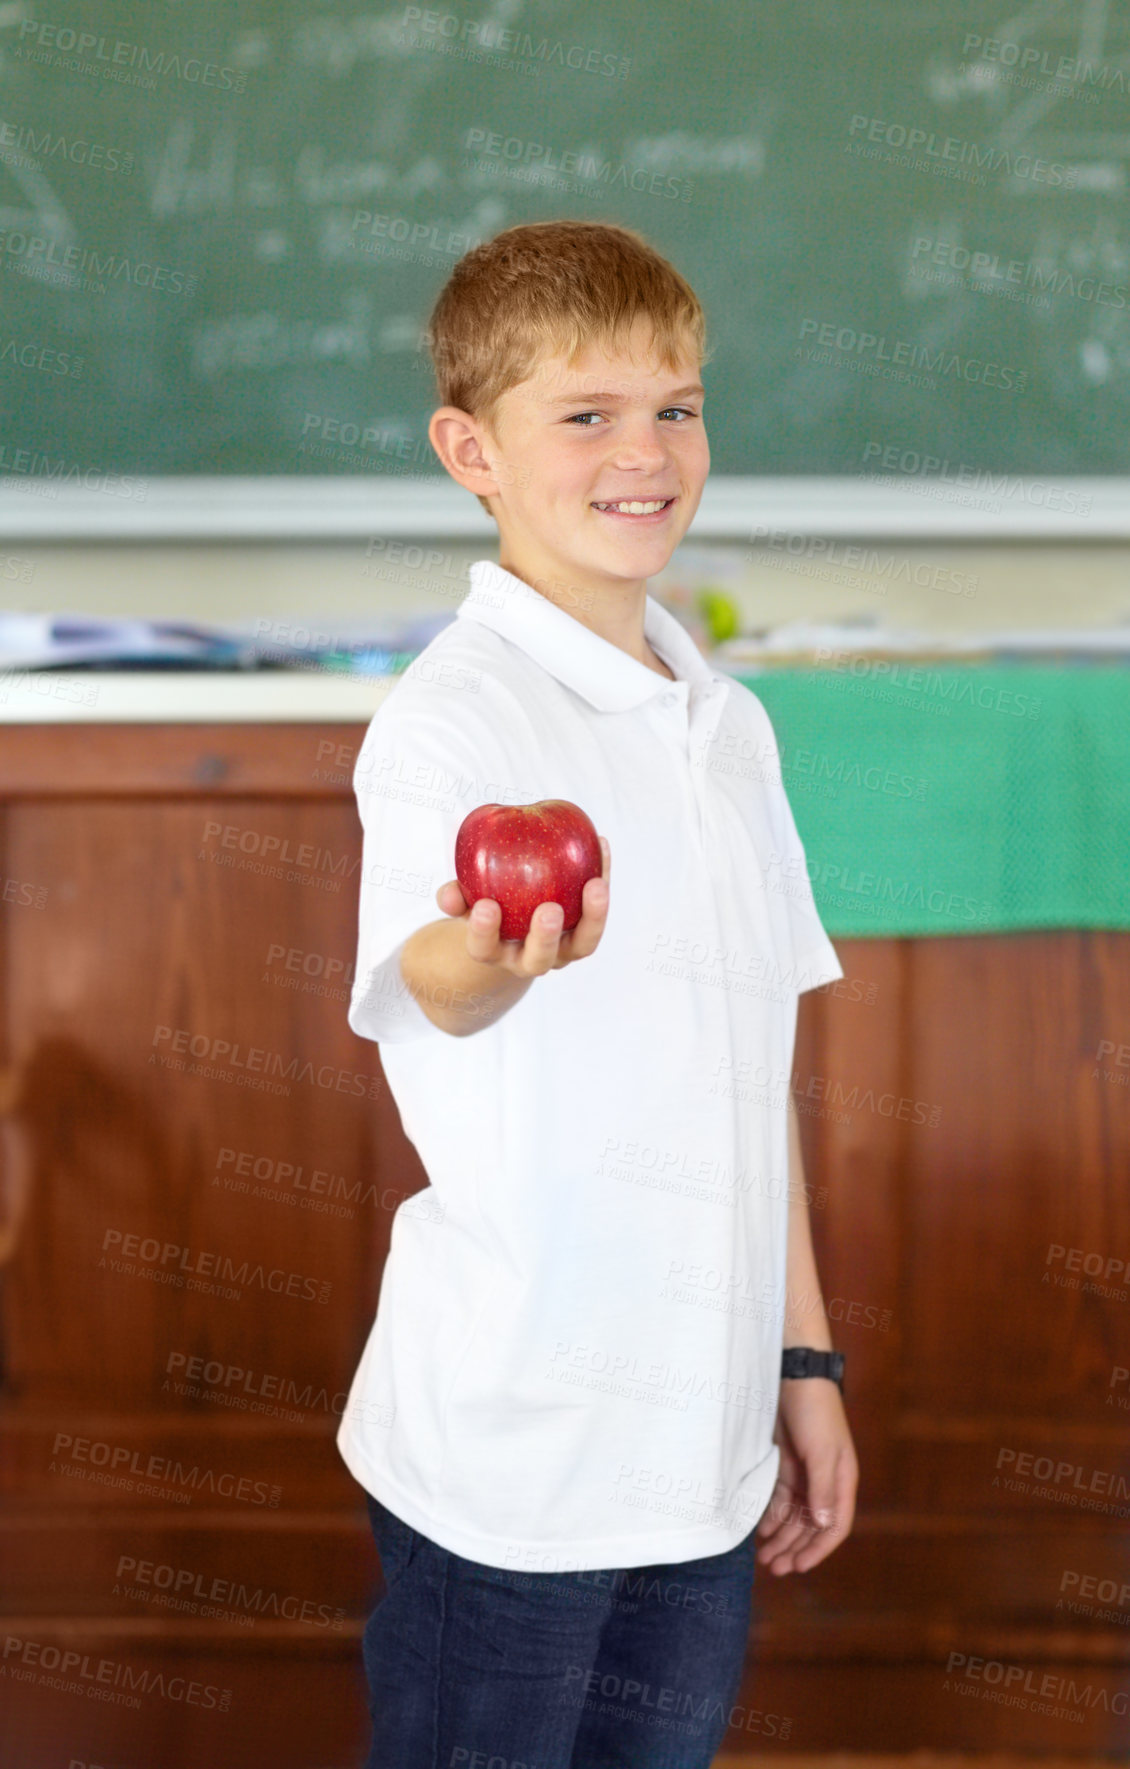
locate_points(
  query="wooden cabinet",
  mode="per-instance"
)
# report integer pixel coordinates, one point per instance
(201, 1162)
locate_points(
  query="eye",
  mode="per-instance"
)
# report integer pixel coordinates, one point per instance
(578, 417)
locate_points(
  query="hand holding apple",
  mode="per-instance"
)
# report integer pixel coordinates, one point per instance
(548, 879)
(521, 855)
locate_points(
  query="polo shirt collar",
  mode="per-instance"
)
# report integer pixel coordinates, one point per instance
(593, 667)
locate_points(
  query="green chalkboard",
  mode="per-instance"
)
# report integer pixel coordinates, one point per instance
(223, 227)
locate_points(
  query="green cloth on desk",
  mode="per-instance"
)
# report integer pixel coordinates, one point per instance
(953, 800)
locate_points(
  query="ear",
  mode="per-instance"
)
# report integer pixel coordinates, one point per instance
(464, 448)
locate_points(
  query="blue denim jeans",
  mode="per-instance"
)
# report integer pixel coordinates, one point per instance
(473, 1667)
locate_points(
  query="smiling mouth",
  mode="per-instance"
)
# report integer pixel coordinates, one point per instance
(636, 509)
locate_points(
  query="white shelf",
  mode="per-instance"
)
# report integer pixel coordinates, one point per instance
(289, 507)
(162, 697)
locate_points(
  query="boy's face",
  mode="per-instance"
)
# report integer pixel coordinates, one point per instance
(573, 437)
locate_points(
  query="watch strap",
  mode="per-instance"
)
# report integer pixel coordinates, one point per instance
(804, 1360)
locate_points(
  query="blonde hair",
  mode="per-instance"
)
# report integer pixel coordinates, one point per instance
(551, 288)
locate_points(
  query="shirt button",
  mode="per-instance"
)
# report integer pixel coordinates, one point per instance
(669, 699)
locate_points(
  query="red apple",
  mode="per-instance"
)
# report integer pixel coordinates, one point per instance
(523, 855)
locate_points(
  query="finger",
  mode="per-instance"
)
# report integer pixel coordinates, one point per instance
(584, 937)
(539, 952)
(842, 1506)
(771, 1532)
(782, 1542)
(827, 1519)
(822, 1494)
(786, 1497)
(482, 930)
(799, 1560)
(778, 1512)
(790, 1528)
(820, 1544)
(451, 899)
(817, 1548)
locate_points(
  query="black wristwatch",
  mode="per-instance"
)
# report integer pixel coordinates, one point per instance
(802, 1360)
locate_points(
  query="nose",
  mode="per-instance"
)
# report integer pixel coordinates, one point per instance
(642, 444)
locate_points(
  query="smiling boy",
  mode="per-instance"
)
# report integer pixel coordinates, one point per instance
(572, 1417)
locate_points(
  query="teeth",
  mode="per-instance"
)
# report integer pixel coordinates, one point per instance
(636, 509)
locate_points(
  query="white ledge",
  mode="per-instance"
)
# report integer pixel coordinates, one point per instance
(173, 697)
(331, 508)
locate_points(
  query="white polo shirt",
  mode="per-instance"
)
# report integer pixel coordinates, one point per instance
(576, 1355)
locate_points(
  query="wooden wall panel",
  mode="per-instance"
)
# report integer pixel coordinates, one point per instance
(960, 1547)
(134, 1137)
(260, 1215)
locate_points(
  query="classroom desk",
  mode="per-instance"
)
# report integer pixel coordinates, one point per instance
(177, 1067)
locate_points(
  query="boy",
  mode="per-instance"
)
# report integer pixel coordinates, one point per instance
(570, 1418)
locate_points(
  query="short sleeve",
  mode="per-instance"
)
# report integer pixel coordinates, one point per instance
(420, 769)
(813, 953)
(814, 957)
